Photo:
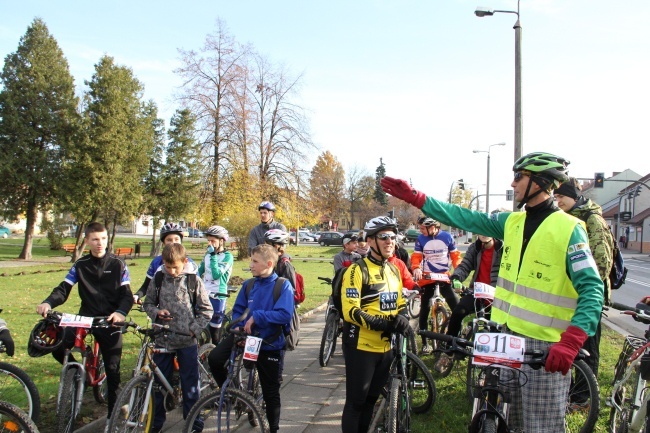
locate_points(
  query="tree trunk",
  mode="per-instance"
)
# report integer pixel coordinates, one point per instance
(32, 211)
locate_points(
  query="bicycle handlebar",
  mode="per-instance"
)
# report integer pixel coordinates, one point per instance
(98, 321)
(640, 313)
(325, 279)
(151, 332)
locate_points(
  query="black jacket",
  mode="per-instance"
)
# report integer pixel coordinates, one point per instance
(472, 260)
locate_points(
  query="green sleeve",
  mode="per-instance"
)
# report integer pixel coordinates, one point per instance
(466, 219)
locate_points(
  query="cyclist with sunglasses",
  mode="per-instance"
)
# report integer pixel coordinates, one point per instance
(348, 256)
(548, 289)
(371, 310)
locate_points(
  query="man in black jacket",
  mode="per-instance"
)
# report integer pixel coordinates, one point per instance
(105, 290)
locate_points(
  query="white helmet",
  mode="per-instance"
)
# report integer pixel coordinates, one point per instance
(276, 236)
(170, 228)
(218, 232)
(378, 224)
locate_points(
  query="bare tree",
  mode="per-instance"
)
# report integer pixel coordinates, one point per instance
(359, 188)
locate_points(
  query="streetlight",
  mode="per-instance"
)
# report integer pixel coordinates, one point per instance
(487, 184)
(484, 12)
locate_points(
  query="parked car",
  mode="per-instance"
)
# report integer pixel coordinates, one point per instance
(304, 236)
(195, 233)
(186, 232)
(330, 238)
(411, 235)
(316, 235)
(4, 232)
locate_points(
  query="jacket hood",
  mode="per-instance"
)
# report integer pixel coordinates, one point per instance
(584, 207)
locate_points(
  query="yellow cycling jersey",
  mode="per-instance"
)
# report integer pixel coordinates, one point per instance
(368, 308)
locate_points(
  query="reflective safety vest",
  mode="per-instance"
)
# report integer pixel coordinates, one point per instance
(534, 295)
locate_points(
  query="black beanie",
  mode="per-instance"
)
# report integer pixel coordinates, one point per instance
(568, 189)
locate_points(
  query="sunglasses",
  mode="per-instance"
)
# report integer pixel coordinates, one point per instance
(520, 175)
(386, 236)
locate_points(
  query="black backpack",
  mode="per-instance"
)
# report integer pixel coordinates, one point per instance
(337, 281)
(292, 331)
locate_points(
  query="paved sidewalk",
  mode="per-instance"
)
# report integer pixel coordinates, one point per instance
(312, 396)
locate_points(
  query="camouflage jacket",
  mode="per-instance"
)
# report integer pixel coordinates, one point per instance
(174, 296)
(601, 241)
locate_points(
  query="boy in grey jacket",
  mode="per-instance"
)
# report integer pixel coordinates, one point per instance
(182, 303)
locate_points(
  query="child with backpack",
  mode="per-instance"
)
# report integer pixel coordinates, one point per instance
(182, 303)
(215, 269)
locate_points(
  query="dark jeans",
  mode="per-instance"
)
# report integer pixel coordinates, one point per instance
(189, 375)
(366, 373)
(268, 368)
(467, 305)
(427, 293)
(110, 346)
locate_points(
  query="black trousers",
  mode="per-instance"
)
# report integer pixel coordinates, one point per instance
(366, 373)
(268, 368)
(110, 346)
(427, 293)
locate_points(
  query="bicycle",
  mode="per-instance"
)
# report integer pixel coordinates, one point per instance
(134, 407)
(413, 299)
(629, 398)
(410, 388)
(17, 388)
(332, 330)
(14, 420)
(225, 408)
(491, 386)
(76, 376)
(439, 314)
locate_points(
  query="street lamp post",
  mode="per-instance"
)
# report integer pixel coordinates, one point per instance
(483, 12)
(487, 184)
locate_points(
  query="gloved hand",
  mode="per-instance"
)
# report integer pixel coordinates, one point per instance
(210, 249)
(5, 337)
(561, 354)
(401, 325)
(456, 284)
(402, 190)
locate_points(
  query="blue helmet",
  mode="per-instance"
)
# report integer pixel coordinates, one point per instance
(266, 205)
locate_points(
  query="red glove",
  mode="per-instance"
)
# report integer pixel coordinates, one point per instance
(402, 190)
(561, 354)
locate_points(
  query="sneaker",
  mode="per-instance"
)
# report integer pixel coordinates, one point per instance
(426, 350)
(578, 407)
(197, 427)
(443, 363)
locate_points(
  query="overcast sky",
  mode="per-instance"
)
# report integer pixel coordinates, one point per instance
(420, 84)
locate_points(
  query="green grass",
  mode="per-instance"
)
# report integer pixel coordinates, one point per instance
(25, 287)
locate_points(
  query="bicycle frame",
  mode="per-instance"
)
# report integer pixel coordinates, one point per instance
(87, 368)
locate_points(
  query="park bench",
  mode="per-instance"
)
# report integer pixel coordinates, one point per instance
(126, 252)
(69, 249)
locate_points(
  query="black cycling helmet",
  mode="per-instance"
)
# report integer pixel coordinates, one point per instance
(428, 222)
(218, 232)
(170, 228)
(378, 224)
(266, 205)
(46, 336)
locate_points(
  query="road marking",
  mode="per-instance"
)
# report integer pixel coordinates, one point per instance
(640, 283)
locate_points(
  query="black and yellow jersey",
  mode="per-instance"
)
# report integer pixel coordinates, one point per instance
(369, 309)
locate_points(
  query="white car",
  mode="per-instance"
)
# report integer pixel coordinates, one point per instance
(304, 236)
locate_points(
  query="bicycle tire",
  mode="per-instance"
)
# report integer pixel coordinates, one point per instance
(130, 413)
(489, 424)
(236, 403)
(66, 410)
(583, 420)
(414, 307)
(624, 397)
(422, 387)
(100, 392)
(15, 420)
(393, 402)
(328, 340)
(206, 381)
(439, 320)
(17, 388)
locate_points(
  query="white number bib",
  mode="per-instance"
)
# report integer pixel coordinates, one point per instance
(252, 348)
(76, 321)
(483, 291)
(439, 277)
(503, 350)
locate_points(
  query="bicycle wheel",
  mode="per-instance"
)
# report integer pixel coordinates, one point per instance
(583, 401)
(100, 392)
(328, 340)
(439, 319)
(66, 410)
(15, 420)
(17, 388)
(414, 306)
(131, 412)
(230, 414)
(489, 424)
(422, 388)
(207, 382)
(398, 414)
(624, 397)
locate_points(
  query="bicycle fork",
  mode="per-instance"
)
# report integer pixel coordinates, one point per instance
(80, 379)
(639, 399)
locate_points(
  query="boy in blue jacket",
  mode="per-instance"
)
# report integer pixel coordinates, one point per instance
(267, 319)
